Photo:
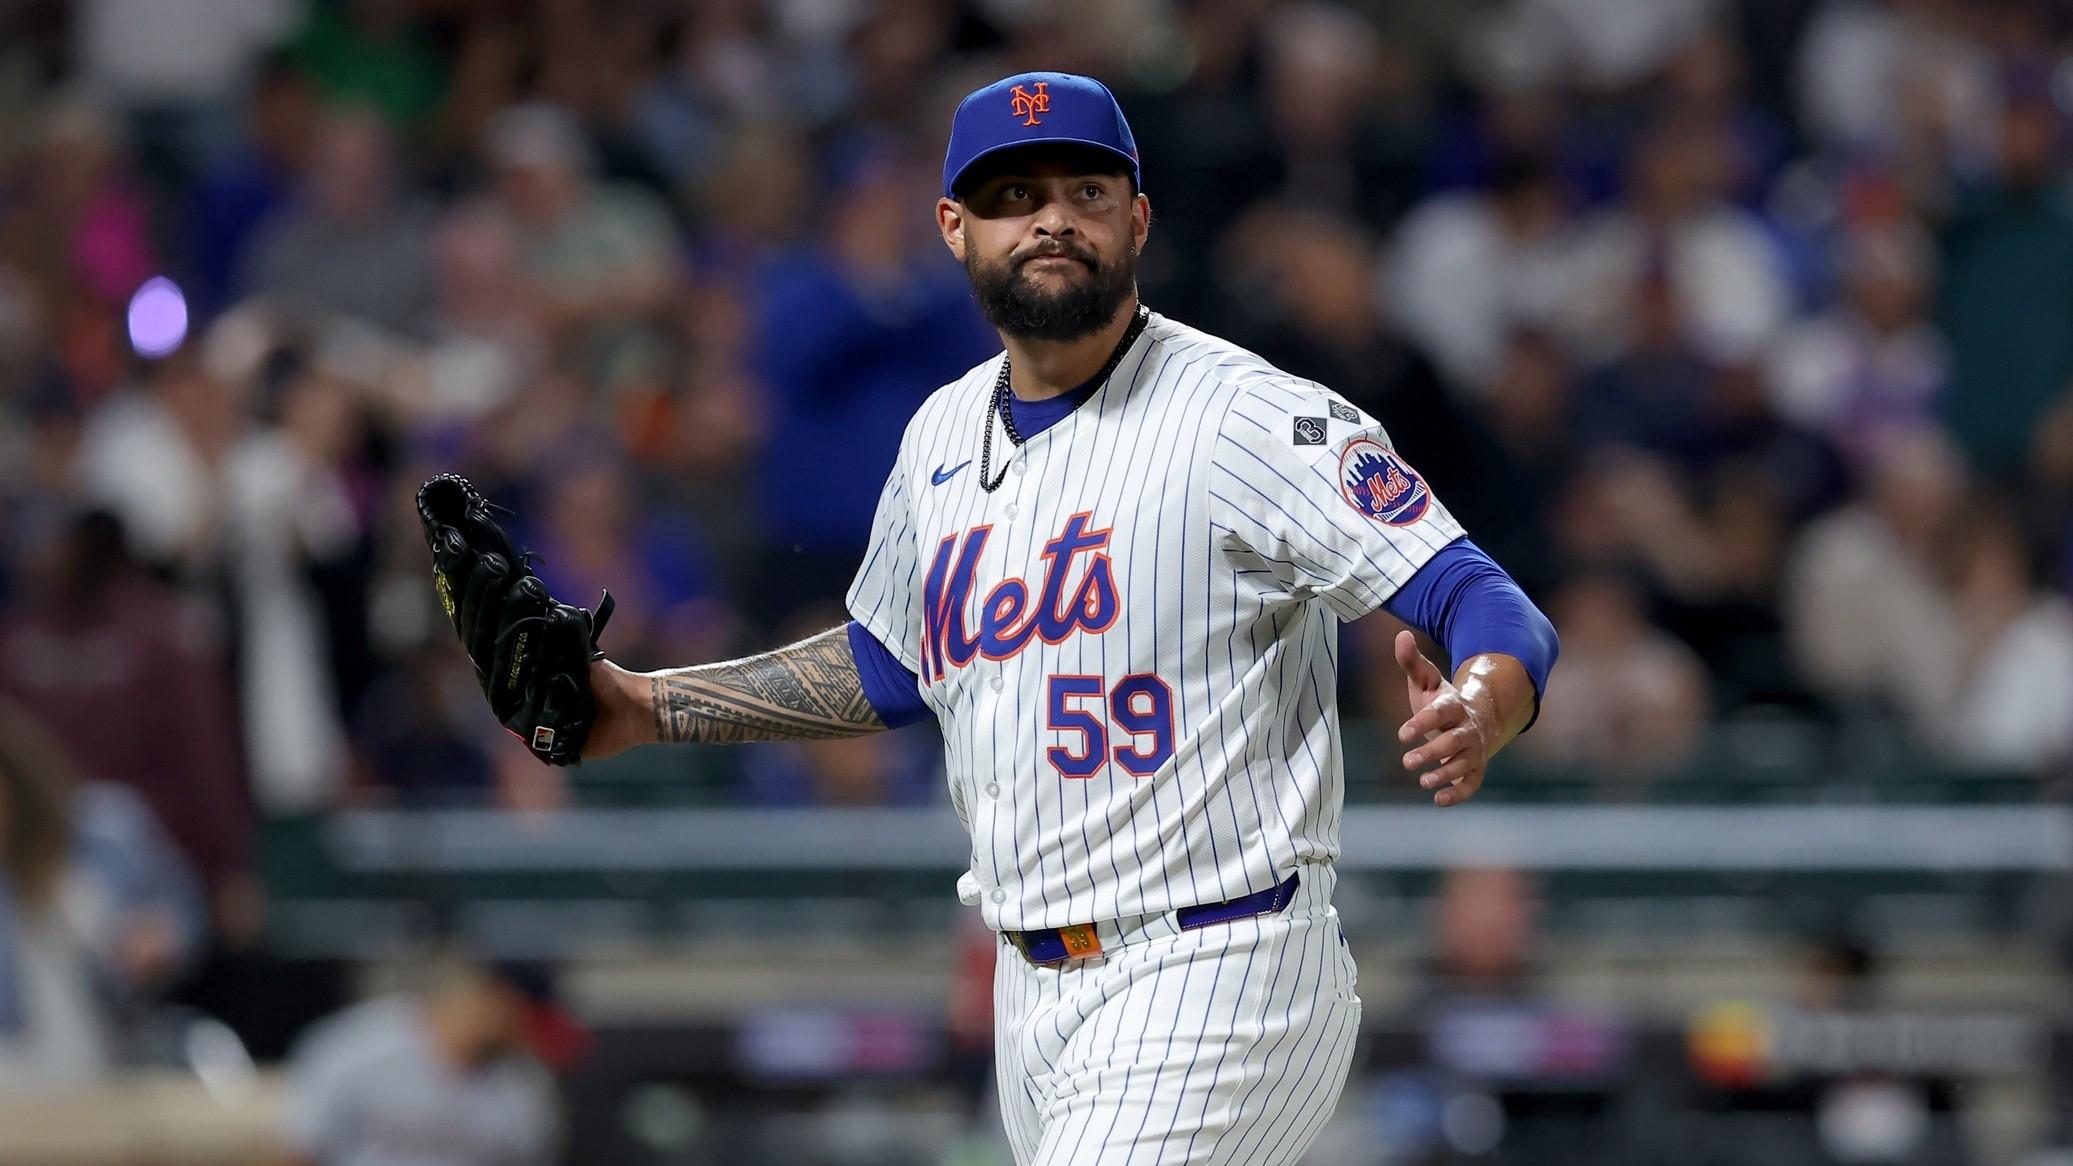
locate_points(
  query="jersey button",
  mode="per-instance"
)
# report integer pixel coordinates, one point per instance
(1020, 468)
(999, 896)
(993, 789)
(999, 683)
(1010, 511)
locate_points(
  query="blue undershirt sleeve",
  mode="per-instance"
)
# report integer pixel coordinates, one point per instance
(894, 692)
(1463, 599)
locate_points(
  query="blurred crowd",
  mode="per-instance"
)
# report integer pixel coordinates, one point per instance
(1740, 332)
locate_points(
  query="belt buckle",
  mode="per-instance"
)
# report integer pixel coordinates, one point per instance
(1022, 945)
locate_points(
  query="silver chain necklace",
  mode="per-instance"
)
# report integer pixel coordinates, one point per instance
(988, 481)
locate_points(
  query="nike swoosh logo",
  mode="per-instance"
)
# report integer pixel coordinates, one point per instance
(941, 475)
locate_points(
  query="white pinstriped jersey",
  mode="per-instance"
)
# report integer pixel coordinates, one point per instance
(1131, 644)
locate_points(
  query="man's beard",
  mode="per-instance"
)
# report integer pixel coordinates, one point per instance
(1079, 308)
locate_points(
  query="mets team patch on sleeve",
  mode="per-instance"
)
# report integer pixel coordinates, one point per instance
(1380, 484)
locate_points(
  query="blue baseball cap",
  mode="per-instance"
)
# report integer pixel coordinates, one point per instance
(1031, 109)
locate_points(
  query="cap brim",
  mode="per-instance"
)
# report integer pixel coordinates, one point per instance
(1129, 163)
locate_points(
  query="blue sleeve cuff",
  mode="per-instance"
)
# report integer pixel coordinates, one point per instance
(894, 692)
(1463, 599)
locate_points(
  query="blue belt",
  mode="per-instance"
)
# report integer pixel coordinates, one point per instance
(1048, 945)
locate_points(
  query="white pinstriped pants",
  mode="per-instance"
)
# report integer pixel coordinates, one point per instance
(1225, 1044)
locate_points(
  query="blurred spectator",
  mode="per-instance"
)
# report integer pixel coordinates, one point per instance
(1302, 287)
(1488, 1032)
(852, 331)
(757, 197)
(657, 117)
(154, 456)
(29, 376)
(2007, 292)
(1692, 484)
(1471, 268)
(419, 734)
(1198, 147)
(727, 69)
(177, 67)
(1873, 364)
(483, 344)
(719, 412)
(1343, 136)
(698, 432)
(1709, 553)
(887, 83)
(1718, 267)
(968, 1028)
(2013, 680)
(131, 677)
(1869, 623)
(289, 516)
(1696, 484)
(96, 913)
(594, 531)
(1629, 701)
(79, 232)
(1652, 395)
(1838, 971)
(245, 185)
(37, 450)
(1485, 927)
(352, 242)
(373, 51)
(599, 261)
(454, 1076)
(1707, 81)
(1900, 80)
(1301, 105)
(1604, 44)
(2050, 506)
(1518, 460)
(554, 416)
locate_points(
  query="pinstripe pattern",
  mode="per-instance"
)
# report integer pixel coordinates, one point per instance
(1235, 555)
(1235, 552)
(1224, 1045)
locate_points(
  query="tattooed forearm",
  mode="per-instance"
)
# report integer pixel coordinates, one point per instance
(808, 690)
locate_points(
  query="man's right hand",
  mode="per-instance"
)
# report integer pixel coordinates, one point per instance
(625, 711)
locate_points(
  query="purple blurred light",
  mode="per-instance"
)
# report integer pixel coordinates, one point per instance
(158, 317)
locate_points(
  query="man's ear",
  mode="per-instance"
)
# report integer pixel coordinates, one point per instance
(1141, 220)
(950, 222)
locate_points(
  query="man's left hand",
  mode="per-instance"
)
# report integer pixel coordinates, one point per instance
(1459, 732)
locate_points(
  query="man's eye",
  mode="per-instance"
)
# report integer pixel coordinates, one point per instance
(1091, 191)
(1015, 193)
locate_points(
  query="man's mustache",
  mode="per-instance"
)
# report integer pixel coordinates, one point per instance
(1056, 251)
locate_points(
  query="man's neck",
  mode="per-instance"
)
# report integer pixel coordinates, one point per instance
(1042, 369)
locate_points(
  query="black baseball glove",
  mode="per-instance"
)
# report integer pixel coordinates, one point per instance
(532, 654)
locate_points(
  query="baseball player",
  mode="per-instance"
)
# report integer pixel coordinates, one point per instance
(1112, 563)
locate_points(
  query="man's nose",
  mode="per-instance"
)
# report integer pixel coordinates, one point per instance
(1054, 219)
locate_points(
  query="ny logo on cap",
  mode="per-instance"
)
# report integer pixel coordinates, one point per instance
(1028, 105)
